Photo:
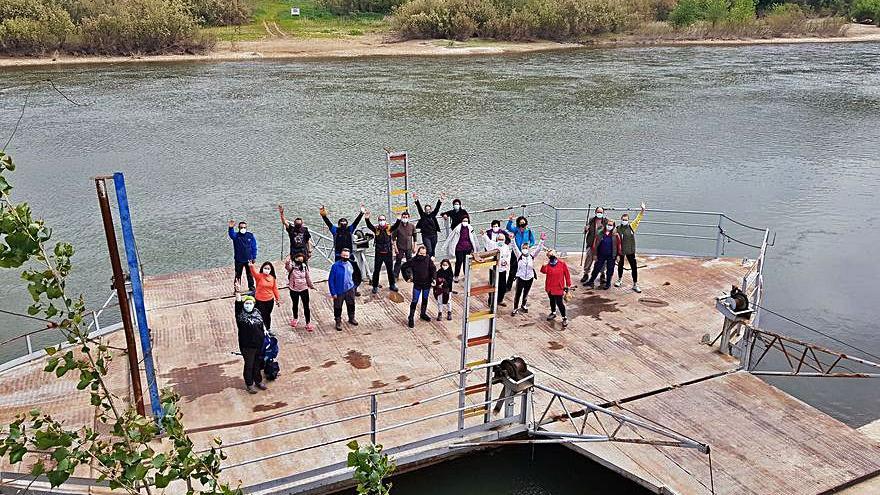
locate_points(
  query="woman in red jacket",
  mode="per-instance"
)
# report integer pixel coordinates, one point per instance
(556, 283)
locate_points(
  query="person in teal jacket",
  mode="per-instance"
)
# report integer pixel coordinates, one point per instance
(522, 234)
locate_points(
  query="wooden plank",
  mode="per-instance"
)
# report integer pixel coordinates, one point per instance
(397, 175)
(481, 315)
(398, 192)
(475, 389)
(482, 289)
(478, 341)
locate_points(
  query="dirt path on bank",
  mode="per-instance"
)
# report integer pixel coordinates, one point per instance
(381, 45)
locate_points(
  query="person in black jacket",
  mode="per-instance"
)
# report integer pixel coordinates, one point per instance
(428, 225)
(456, 214)
(384, 251)
(423, 272)
(443, 288)
(343, 239)
(250, 341)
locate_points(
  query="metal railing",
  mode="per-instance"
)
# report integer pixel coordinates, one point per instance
(23, 348)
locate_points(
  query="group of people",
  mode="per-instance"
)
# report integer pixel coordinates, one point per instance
(396, 249)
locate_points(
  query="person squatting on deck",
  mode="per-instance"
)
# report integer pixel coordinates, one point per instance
(244, 246)
(495, 238)
(443, 289)
(606, 248)
(627, 232)
(384, 251)
(422, 271)
(428, 225)
(266, 292)
(250, 341)
(594, 226)
(460, 243)
(343, 234)
(556, 283)
(299, 235)
(525, 273)
(404, 238)
(342, 288)
(522, 234)
(299, 281)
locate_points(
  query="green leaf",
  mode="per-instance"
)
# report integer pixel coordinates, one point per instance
(60, 454)
(162, 481)
(17, 454)
(159, 461)
(57, 478)
(51, 350)
(352, 445)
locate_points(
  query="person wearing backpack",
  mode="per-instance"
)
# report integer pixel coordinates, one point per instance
(266, 293)
(522, 234)
(525, 273)
(250, 341)
(423, 272)
(299, 281)
(557, 284)
(627, 232)
(244, 246)
(428, 225)
(443, 288)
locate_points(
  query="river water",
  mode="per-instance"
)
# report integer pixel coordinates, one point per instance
(785, 136)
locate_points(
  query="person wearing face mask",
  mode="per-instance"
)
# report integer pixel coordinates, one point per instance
(428, 225)
(244, 246)
(423, 272)
(299, 235)
(250, 341)
(596, 225)
(606, 249)
(383, 243)
(456, 214)
(404, 237)
(556, 283)
(525, 273)
(627, 232)
(342, 234)
(501, 244)
(299, 281)
(522, 234)
(342, 288)
(266, 293)
(442, 289)
(460, 243)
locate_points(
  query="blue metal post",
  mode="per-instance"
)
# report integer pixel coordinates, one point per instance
(137, 293)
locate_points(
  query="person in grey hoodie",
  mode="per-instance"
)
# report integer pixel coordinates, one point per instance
(404, 236)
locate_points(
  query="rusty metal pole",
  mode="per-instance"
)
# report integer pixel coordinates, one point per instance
(121, 294)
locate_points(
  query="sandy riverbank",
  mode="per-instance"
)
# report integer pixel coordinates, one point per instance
(379, 45)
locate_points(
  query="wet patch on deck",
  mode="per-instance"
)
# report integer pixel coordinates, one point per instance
(402, 378)
(358, 360)
(328, 364)
(268, 407)
(203, 379)
(653, 302)
(378, 384)
(302, 369)
(555, 346)
(594, 305)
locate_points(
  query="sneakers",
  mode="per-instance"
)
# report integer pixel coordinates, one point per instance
(589, 285)
(310, 327)
(502, 304)
(410, 322)
(564, 321)
(515, 311)
(261, 386)
(439, 316)
(294, 323)
(524, 309)
(375, 290)
(338, 325)
(455, 279)
(424, 317)
(605, 286)
(352, 322)
(637, 289)
(250, 389)
(585, 278)
(551, 316)
(617, 284)
(394, 288)
(449, 316)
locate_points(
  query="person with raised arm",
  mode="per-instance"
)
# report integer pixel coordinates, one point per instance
(522, 234)
(343, 238)
(428, 225)
(299, 235)
(384, 251)
(299, 281)
(244, 246)
(525, 273)
(627, 232)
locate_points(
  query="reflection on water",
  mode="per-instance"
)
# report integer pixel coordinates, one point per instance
(782, 135)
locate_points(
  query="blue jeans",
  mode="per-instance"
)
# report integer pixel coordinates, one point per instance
(417, 293)
(608, 265)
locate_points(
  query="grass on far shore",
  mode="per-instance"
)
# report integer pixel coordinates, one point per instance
(272, 20)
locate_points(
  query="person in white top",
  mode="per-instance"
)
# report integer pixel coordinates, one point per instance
(501, 243)
(525, 272)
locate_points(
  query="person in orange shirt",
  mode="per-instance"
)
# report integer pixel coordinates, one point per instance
(266, 292)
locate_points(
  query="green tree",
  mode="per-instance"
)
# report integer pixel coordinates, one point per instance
(371, 467)
(125, 448)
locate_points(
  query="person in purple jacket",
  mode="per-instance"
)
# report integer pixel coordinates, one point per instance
(460, 243)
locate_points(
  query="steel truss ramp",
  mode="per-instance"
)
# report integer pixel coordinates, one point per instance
(802, 358)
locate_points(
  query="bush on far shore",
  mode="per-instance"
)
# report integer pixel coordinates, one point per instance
(866, 10)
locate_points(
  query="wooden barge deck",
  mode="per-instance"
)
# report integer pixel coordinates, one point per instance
(641, 352)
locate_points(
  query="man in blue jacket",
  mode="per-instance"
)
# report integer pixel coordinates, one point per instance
(522, 234)
(342, 288)
(244, 245)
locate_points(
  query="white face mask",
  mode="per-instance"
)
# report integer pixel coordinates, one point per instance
(242, 230)
(499, 244)
(267, 271)
(609, 227)
(465, 223)
(496, 229)
(249, 306)
(383, 223)
(456, 207)
(600, 215)
(624, 222)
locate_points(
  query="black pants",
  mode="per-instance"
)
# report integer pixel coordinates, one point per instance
(502, 286)
(383, 259)
(348, 299)
(253, 363)
(633, 266)
(401, 255)
(295, 296)
(522, 289)
(603, 263)
(243, 267)
(265, 308)
(511, 272)
(557, 301)
(459, 260)
(430, 242)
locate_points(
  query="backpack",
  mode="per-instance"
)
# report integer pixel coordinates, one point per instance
(271, 368)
